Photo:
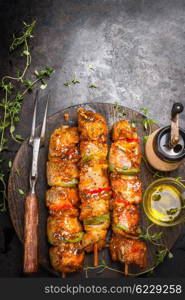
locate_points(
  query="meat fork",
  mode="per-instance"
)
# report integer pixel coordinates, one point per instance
(31, 212)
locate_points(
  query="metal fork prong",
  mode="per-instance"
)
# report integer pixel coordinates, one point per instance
(43, 130)
(34, 119)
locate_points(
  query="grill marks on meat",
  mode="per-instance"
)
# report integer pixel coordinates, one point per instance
(125, 154)
(93, 178)
(63, 227)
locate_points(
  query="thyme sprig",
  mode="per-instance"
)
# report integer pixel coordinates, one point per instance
(73, 81)
(13, 90)
(101, 268)
(146, 122)
(153, 238)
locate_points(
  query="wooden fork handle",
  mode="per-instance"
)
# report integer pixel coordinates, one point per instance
(31, 220)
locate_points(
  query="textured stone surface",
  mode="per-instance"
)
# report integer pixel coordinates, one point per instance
(137, 49)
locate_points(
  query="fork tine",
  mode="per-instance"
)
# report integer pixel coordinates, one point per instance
(34, 119)
(43, 130)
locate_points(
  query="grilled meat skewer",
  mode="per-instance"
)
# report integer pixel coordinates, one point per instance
(124, 164)
(94, 188)
(64, 229)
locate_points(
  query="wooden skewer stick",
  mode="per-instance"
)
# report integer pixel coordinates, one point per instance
(95, 255)
(126, 269)
(63, 275)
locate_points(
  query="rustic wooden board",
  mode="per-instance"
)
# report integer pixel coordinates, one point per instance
(19, 179)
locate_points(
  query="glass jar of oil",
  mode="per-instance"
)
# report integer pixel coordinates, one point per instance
(163, 202)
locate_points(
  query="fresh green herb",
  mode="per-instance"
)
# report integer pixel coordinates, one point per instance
(101, 268)
(146, 122)
(145, 138)
(156, 196)
(144, 110)
(75, 81)
(72, 82)
(10, 164)
(160, 255)
(170, 255)
(13, 90)
(153, 238)
(17, 171)
(179, 179)
(173, 211)
(21, 192)
(93, 86)
(90, 67)
(119, 109)
(67, 84)
(133, 123)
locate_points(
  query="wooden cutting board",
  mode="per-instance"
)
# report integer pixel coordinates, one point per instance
(19, 179)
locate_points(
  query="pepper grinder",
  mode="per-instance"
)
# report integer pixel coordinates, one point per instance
(165, 147)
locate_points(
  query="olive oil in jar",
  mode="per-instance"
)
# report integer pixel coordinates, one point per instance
(165, 203)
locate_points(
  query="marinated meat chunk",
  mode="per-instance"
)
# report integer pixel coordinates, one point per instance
(92, 237)
(67, 257)
(63, 228)
(90, 150)
(93, 175)
(126, 188)
(92, 126)
(62, 173)
(126, 220)
(94, 208)
(125, 156)
(57, 195)
(128, 251)
(123, 130)
(63, 143)
(96, 195)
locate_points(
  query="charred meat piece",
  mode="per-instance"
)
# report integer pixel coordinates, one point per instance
(126, 188)
(63, 143)
(93, 175)
(126, 220)
(67, 257)
(90, 150)
(63, 229)
(62, 173)
(123, 130)
(92, 126)
(125, 157)
(128, 251)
